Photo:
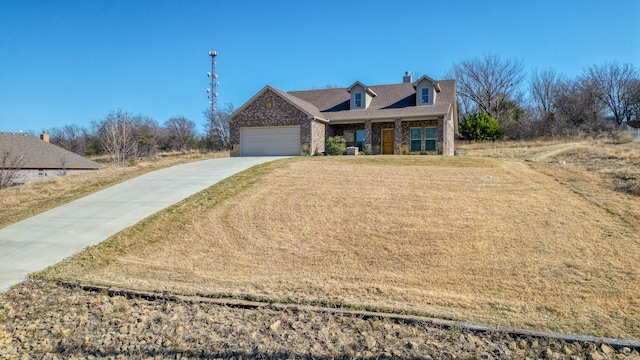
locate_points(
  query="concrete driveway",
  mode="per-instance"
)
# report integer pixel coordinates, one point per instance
(45, 239)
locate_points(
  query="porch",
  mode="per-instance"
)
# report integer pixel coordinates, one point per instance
(397, 137)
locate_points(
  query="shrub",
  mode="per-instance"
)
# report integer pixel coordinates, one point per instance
(336, 145)
(480, 126)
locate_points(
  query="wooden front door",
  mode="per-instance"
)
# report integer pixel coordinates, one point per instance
(387, 141)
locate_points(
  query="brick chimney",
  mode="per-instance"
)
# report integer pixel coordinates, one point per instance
(407, 77)
(44, 136)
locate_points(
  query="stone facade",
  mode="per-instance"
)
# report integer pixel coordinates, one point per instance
(26, 176)
(376, 135)
(270, 109)
(318, 130)
(325, 113)
(448, 133)
(338, 130)
(406, 134)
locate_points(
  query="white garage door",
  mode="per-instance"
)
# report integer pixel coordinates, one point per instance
(270, 141)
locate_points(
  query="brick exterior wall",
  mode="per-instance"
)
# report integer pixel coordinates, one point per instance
(376, 135)
(406, 133)
(313, 133)
(26, 176)
(318, 142)
(281, 113)
(338, 130)
(449, 135)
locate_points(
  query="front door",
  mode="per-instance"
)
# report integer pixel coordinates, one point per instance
(387, 141)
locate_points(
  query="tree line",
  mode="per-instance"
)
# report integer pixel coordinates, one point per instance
(124, 135)
(497, 100)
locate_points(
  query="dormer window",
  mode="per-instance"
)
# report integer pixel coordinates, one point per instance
(426, 91)
(361, 96)
(425, 95)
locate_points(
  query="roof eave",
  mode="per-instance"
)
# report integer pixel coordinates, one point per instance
(389, 118)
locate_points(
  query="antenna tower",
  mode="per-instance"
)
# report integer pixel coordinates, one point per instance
(213, 84)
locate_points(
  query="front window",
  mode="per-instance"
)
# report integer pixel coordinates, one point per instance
(358, 100)
(430, 139)
(416, 139)
(360, 139)
(425, 95)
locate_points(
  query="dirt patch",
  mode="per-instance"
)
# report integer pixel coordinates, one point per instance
(42, 320)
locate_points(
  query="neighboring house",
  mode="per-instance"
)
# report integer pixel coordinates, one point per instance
(38, 159)
(632, 127)
(412, 117)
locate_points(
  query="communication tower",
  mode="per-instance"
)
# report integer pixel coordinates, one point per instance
(213, 83)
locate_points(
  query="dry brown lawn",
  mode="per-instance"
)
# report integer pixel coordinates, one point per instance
(488, 240)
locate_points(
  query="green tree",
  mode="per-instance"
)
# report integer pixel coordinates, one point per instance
(478, 126)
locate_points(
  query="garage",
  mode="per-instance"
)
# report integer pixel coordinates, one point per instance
(270, 141)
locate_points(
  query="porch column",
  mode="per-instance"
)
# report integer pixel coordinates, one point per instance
(440, 139)
(367, 137)
(397, 137)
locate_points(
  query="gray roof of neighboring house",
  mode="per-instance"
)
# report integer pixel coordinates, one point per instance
(393, 100)
(633, 123)
(39, 154)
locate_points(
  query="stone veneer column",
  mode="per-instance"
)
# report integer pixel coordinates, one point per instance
(440, 136)
(397, 137)
(367, 137)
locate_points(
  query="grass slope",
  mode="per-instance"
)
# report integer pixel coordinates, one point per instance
(474, 239)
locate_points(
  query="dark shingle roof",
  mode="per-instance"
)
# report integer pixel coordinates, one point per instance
(393, 100)
(39, 154)
(634, 124)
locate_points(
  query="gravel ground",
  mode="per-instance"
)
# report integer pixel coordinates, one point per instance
(43, 320)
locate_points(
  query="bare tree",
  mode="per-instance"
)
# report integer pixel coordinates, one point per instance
(9, 168)
(147, 134)
(181, 132)
(578, 105)
(218, 127)
(487, 82)
(72, 137)
(617, 87)
(543, 90)
(63, 164)
(116, 132)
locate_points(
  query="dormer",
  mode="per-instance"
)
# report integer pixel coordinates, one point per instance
(426, 90)
(361, 96)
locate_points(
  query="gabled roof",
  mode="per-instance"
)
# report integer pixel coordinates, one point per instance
(436, 85)
(39, 154)
(393, 101)
(304, 106)
(366, 88)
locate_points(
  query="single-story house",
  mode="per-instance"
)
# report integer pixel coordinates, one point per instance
(34, 159)
(632, 127)
(411, 117)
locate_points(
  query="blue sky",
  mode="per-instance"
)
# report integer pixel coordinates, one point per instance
(72, 62)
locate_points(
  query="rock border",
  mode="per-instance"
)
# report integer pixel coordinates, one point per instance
(406, 319)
